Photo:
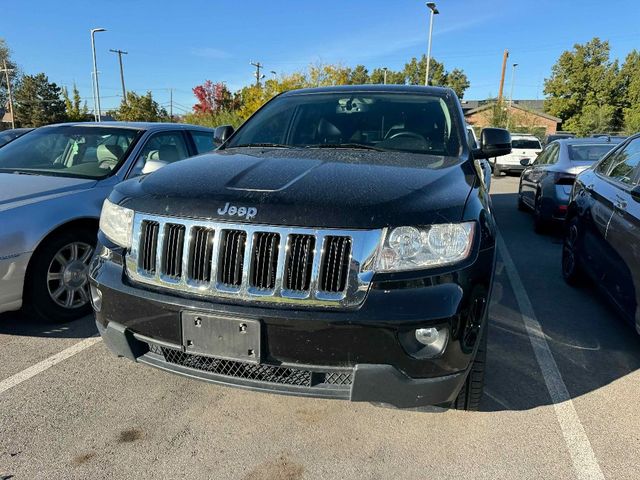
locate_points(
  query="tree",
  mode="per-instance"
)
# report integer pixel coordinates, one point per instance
(458, 81)
(212, 97)
(630, 86)
(74, 110)
(140, 108)
(359, 75)
(38, 102)
(583, 81)
(14, 76)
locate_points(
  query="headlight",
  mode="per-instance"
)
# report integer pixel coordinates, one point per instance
(116, 223)
(415, 248)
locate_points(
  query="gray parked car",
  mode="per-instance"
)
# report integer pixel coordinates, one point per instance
(53, 182)
(545, 184)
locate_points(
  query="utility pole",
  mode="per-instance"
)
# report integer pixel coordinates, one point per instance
(505, 57)
(258, 66)
(385, 75)
(124, 90)
(171, 104)
(6, 75)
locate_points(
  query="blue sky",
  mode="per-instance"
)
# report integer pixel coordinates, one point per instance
(179, 44)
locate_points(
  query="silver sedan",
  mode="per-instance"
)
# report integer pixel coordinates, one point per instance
(545, 184)
(53, 182)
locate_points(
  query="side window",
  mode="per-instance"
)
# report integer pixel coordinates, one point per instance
(203, 140)
(624, 165)
(554, 153)
(161, 149)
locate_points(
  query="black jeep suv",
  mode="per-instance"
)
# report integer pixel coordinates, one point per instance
(340, 244)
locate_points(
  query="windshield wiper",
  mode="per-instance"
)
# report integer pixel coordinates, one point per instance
(265, 144)
(355, 146)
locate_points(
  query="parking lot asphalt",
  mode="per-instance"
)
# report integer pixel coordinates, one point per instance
(561, 400)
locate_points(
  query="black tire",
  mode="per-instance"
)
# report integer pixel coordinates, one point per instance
(572, 270)
(540, 225)
(39, 300)
(471, 392)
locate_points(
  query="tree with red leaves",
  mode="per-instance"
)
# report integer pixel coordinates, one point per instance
(212, 97)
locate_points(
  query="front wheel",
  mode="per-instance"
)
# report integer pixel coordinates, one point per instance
(57, 287)
(471, 392)
(571, 268)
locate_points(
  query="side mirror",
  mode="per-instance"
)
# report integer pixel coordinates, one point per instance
(494, 142)
(221, 134)
(525, 162)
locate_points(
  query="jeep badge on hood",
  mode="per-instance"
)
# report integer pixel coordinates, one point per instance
(247, 212)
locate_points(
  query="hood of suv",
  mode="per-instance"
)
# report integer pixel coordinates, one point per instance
(314, 188)
(18, 189)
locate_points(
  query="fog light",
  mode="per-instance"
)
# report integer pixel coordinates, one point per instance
(96, 298)
(426, 342)
(427, 336)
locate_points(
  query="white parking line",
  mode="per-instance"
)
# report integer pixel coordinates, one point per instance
(584, 460)
(47, 363)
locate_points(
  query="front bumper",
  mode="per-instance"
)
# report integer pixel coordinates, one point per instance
(364, 382)
(13, 269)
(354, 355)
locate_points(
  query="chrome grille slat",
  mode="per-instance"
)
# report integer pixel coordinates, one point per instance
(254, 263)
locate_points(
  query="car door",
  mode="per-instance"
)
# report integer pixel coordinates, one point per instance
(624, 230)
(600, 194)
(159, 150)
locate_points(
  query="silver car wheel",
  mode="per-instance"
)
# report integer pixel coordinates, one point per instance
(67, 275)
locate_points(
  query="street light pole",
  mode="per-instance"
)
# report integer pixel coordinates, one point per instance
(385, 75)
(513, 76)
(96, 95)
(434, 11)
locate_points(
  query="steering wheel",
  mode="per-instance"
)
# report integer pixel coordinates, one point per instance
(107, 165)
(414, 135)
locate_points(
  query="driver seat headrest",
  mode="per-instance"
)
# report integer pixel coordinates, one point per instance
(109, 153)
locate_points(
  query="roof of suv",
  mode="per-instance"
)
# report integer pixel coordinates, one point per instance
(439, 91)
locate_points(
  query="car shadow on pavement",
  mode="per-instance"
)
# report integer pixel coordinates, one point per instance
(19, 324)
(590, 343)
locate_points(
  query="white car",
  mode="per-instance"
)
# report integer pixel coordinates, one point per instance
(524, 150)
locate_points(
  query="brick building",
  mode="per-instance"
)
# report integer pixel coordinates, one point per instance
(521, 117)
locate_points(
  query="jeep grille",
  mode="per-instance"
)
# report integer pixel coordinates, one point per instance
(261, 263)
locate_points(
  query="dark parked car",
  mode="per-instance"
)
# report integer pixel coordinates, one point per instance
(340, 244)
(552, 137)
(53, 182)
(7, 135)
(545, 185)
(602, 236)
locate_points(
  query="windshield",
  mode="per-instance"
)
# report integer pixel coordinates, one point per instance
(8, 135)
(74, 151)
(588, 153)
(380, 121)
(526, 143)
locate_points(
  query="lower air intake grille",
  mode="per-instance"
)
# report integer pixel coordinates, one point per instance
(173, 245)
(335, 264)
(264, 260)
(297, 274)
(232, 257)
(250, 371)
(149, 242)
